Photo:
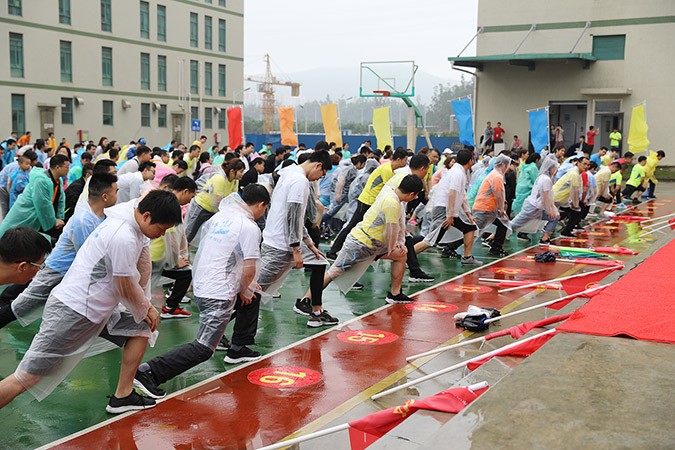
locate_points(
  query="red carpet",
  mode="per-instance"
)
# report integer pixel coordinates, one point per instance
(640, 305)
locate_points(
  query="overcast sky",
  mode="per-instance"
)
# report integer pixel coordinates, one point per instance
(310, 34)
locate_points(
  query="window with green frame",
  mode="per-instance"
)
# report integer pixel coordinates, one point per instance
(14, 7)
(106, 66)
(19, 113)
(145, 71)
(161, 116)
(208, 78)
(66, 110)
(161, 73)
(221, 2)
(194, 30)
(221, 79)
(145, 20)
(66, 48)
(145, 114)
(194, 113)
(208, 118)
(16, 55)
(208, 32)
(609, 47)
(222, 119)
(194, 77)
(222, 35)
(161, 23)
(107, 112)
(64, 12)
(106, 15)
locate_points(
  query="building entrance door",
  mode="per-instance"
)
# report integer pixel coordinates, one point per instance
(177, 120)
(46, 121)
(607, 123)
(571, 116)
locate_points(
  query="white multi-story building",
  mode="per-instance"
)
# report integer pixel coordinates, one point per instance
(589, 61)
(123, 69)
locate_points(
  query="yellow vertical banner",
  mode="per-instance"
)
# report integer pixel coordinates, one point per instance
(382, 127)
(287, 125)
(331, 124)
(637, 135)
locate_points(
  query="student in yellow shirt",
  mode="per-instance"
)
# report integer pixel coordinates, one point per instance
(650, 169)
(169, 253)
(205, 204)
(636, 182)
(381, 234)
(372, 188)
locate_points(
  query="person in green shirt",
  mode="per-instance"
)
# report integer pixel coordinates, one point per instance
(636, 182)
(615, 138)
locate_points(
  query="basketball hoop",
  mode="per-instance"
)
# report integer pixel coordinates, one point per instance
(383, 93)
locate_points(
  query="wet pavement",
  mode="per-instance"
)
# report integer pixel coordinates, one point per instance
(328, 378)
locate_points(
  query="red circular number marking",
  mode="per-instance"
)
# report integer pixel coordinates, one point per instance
(367, 337)
(509, 270)
(467, 288)
(575, 240)
(431, 307)
(284, 377)
(595, 233)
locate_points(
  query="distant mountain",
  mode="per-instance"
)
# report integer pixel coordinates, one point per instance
(344, 83)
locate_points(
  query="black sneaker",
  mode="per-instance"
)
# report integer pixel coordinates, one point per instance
(635, 201)
(398, 298)
(567, 234)
(497, 251)
(523, 237)
(420, 277)
(486, 242)
(357, 287)
(244, 354)
(331, 255)
(146, 383)
(303, 306)
(132, 402)
(322, 320)
(545, 241)
(224, 344)
(450, 253)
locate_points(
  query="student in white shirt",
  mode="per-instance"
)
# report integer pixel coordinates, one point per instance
(224, 278)
(112, 266)
(280, 251)
(130, 184)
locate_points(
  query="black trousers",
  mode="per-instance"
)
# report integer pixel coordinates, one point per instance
(182, 278)
(178, 360)
(573, 218)
(500, 234)
(361, 209)
(411, 260)
(652, 188)
(245, 321)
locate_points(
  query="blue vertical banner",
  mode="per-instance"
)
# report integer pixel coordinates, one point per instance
(464, 117)
(539, 133)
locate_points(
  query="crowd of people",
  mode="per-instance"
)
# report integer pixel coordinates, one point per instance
(86, 232)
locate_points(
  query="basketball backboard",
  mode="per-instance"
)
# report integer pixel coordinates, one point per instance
(388, 79)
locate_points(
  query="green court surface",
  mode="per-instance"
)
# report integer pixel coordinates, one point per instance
(79, 402)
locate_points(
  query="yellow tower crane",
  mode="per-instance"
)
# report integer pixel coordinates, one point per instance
(266, 87)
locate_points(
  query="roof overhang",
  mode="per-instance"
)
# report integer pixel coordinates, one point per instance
(526, 60)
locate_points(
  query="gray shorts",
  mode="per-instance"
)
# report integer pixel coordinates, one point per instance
(353, 252)
(62, 341)
(28, 305)
(214, 315)
(274, 264)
